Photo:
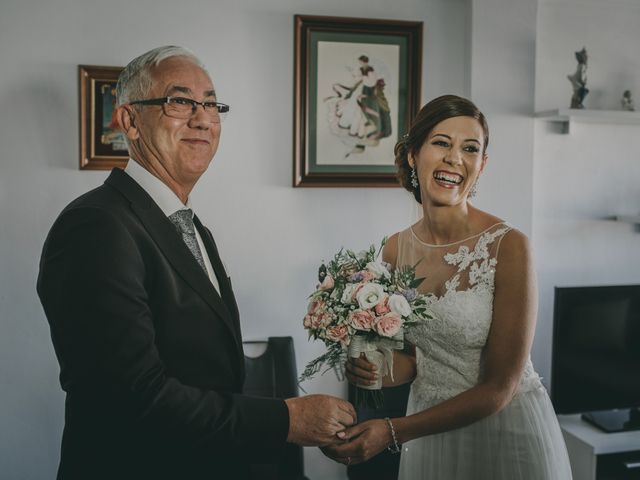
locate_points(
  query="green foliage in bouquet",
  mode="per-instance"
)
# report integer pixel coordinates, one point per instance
(360, 295)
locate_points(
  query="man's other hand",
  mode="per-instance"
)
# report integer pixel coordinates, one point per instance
(315, 420)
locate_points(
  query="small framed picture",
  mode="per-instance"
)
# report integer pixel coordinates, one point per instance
(357, 88)
(102, 146)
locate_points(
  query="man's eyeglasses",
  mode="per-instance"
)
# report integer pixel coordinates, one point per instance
(183, 108)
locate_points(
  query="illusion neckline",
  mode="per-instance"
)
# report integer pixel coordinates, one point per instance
(456, 242)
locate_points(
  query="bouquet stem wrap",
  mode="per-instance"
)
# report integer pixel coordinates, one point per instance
(379, 351)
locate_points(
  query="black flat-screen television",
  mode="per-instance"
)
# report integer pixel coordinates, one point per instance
(595, 367)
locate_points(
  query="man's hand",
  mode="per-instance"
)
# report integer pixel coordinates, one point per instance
(314, 420)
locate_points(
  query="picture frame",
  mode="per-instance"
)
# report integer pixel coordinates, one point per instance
(101, 146)
(356, 89)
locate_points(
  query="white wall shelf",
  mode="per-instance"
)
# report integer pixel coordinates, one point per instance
(566, 116)
(628, 218)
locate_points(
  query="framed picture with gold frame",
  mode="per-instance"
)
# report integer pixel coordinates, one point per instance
(102, 147)
(356, 90)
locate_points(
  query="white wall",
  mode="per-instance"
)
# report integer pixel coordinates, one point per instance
(502, 83)
(582, 178)
(557, 188)
(272, 236)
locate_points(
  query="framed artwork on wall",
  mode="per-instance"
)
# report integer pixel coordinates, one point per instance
(356, 89)
(102, 147)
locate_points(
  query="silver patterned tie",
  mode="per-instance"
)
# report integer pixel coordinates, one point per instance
(183, 221)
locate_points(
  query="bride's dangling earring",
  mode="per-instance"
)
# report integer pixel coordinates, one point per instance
(414, 178)
(474, 190)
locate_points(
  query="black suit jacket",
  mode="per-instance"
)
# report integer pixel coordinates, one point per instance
(151, 355)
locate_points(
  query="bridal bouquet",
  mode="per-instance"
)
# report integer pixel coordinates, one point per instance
(361, 306)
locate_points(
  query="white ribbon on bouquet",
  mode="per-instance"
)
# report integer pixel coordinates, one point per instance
(378, 351)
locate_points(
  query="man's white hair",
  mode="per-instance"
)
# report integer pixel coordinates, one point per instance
(134, 83)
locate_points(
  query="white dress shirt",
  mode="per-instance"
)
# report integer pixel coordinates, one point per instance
(169, 203)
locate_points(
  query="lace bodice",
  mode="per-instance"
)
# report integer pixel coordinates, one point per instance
(459, 280)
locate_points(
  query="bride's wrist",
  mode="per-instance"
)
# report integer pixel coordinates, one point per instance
(404, 432)
(394, 445)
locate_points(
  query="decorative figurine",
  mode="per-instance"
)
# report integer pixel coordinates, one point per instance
(627, 101)
(579, 80)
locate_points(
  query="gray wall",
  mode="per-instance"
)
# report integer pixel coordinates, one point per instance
(272, 236)
(583, 178)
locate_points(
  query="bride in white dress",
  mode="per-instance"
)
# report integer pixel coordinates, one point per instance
(477, 409)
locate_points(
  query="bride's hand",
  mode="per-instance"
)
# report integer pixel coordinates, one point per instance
(361, 442)
(360, 371)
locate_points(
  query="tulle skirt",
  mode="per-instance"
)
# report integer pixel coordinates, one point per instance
(521, 442)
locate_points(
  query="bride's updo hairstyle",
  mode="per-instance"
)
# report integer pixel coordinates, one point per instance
(434, 112)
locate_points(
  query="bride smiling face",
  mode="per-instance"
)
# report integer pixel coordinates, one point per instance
(450, 161)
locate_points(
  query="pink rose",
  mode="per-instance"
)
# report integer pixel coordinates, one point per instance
(389, 324)
(317, 315)
(316, 306)
(339, 333)
(323, 319)
(307, 321)
(356, 290)
(319, 320)
(316, 322)
(383, 306)
(327, 283)
(361, 319)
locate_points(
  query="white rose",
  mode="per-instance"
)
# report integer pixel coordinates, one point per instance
(347, 294)
(399, 305)
(378, 269)
(370, 295)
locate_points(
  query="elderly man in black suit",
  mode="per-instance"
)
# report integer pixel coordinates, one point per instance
(142, 314)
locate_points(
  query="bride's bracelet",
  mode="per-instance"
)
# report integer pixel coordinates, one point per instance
(395, 448)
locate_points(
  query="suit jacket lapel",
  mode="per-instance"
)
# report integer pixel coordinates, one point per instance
(225, 284)
(164, 234)
(214, 256)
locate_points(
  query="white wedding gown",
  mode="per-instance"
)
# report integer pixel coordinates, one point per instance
(522, 441)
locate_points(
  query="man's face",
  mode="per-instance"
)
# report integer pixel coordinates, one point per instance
(180, 149)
